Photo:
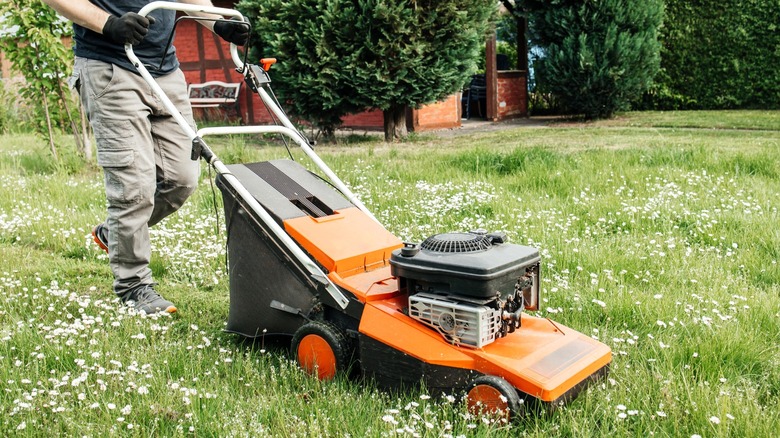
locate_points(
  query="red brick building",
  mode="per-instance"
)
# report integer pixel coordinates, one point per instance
(204, 57)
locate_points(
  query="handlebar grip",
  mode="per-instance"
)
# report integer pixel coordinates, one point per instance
(189, 8)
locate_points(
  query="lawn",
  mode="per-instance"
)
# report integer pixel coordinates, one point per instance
(659, 232)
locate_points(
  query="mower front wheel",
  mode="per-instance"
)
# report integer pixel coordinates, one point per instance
(492, 395)
(321, 349)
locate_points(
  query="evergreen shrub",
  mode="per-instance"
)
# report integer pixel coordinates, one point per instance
(595, 57)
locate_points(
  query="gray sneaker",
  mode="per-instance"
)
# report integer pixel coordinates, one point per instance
(145, 299)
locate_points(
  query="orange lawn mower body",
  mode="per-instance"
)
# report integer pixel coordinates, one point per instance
(435, 313)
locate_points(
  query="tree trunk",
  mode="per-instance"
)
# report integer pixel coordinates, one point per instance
(48, 124)
(395, 123)
(327, 133)
(80, 148)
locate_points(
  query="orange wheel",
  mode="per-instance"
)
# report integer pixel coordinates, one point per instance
(316, 357)
(320, 349)
(492, 395)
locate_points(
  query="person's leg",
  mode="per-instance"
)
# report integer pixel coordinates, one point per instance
(148, 174)
(119, 116)
(177, 174)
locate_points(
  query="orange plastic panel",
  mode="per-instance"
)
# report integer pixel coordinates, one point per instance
(541, 358)
(383, 321)
(374, 285)
(348, 241)
(545, 362)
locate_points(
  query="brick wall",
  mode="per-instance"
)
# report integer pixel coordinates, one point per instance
(371, 120)
(511, 94)
(439, 115)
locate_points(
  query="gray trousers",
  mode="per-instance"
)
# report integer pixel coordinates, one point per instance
(145, 157)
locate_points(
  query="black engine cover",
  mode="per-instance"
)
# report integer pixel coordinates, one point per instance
(478, 271)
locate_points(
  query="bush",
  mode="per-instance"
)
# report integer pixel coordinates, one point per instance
(596, 57)
(719, 54)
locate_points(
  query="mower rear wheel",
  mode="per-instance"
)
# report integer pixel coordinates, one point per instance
(492, 395)
(321, 349)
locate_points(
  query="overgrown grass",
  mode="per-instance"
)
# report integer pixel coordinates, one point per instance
(661, 242)
(745, 119)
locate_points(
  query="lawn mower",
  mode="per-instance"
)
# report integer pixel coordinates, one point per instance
(307, 260)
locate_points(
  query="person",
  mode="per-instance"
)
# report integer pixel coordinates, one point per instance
(144, 153)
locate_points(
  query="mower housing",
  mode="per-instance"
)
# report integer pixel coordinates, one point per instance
(443, 312)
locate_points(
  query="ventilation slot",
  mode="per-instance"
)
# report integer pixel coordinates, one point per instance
(457, 243)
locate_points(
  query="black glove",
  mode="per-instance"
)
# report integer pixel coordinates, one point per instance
(129, 28)
(236, 32)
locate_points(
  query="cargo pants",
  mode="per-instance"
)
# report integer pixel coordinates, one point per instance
(145, 156)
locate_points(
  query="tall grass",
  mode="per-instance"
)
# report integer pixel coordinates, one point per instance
(661, 241)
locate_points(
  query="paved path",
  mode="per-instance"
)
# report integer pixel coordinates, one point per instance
(475, 125)
(470, 126)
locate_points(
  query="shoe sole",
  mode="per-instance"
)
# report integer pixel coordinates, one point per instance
(99, 242)
(169, 310)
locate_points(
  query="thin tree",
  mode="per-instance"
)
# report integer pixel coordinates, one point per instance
(36, 51)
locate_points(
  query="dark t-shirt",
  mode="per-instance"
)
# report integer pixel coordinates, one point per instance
(93, 45)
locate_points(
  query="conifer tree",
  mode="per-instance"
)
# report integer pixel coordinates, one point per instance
(598, 55)
(338, 57)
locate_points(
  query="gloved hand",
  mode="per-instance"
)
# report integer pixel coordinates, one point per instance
(236, 32)
(129, 28)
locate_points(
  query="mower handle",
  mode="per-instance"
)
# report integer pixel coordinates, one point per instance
(187, 8)
(273, 106)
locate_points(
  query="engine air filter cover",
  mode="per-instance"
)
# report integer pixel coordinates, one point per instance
(468, 264)
(457, 242)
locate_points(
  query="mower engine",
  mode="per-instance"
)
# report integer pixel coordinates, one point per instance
(470, 287)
